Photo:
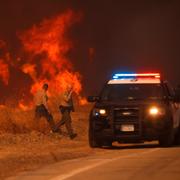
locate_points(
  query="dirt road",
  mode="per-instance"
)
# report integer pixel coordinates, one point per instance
(136, 162)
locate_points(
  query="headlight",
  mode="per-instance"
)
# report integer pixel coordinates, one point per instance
(99, 112)
(102, 111)
(154, 111)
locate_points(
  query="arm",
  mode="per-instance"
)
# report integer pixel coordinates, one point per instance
(68, 96)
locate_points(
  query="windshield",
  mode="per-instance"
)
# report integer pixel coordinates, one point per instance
(131, 91)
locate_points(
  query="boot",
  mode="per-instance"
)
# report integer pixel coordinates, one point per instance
(72, 136)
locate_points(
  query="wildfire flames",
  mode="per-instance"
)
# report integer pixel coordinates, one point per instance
(4, 72)
(45, 47)
(4, 69)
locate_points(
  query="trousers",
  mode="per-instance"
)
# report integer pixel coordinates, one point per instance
(65, 119)
(41, 111)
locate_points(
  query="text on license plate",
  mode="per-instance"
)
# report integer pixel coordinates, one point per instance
(127, 128)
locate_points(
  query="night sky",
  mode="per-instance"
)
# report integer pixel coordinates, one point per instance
(125, 36)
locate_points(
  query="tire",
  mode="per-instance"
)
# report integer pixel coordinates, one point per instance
(107, 144)
(167, 140)
(177, 138)
(93, 141)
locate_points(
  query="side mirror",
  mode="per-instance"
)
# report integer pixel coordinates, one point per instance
(93, 98)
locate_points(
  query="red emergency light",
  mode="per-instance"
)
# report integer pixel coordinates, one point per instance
(147, 75)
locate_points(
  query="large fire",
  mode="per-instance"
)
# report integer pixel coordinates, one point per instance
(49, 39)
(46, 46)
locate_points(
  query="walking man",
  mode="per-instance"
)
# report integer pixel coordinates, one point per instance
(41, 109)
(66, 107)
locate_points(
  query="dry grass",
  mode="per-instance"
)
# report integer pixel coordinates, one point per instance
(23, 147)
(15, 121)
(18, 121)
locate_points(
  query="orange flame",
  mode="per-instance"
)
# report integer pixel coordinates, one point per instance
(83, 101)
(30, 69)
(4, 72)
(23, 107)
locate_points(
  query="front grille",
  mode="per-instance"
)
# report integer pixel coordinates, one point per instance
(127, 116)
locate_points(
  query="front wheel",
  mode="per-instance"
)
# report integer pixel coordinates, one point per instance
(177, 138)
(167, 139)
(107, 144)
(93, 141)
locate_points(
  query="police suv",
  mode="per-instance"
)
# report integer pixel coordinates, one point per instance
(134, 108)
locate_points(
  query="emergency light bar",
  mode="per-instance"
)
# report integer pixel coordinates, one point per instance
(145, 75)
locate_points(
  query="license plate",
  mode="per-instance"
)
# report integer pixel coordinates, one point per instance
(127, 128)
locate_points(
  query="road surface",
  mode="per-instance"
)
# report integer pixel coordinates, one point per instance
(128, 162)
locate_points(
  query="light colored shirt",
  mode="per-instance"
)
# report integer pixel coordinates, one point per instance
(66, 99)
(41, 98)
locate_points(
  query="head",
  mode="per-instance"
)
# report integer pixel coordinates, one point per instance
(45, 86)
(69, 88)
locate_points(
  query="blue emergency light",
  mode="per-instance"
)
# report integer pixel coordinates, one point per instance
(133, 75)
